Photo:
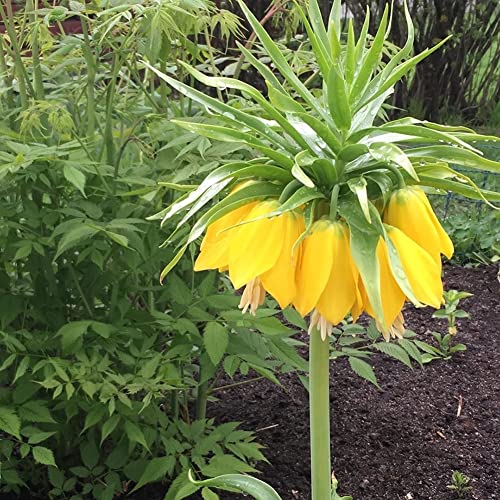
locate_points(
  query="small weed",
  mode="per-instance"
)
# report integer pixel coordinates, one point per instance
(460, 484)
(446, 346)
(335, 495)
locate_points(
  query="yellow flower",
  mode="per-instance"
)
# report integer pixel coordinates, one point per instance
(422, 272)
(214, 249)
(264, 248)
(410, 211)
(326, 275)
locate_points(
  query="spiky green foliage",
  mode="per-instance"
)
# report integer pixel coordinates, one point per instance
(327, 145)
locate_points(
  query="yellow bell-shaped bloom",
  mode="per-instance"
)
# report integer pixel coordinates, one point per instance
(391, 295)
(214, 249)
(422, 271)
(263, 248)
(410, 211)
(326, 275)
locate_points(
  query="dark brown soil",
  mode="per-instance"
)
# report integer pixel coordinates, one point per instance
(401, 442)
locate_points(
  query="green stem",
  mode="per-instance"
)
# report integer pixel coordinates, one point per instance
(108, 129)
(7, 18)
(35, 51)
(399, 176)
(7, 79)
(334, 201)
(163, 88)
(91, 74)
(319, 411)
(212, 59)
(80, 291)
(201, 401)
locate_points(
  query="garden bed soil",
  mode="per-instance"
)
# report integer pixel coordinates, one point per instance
(401, 442)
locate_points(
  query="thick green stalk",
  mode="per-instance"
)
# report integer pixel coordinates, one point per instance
(8, 20)
(108, 129)
(35, 50)
(201, 401)
(91, 73)
(319, 411)
(7, 79)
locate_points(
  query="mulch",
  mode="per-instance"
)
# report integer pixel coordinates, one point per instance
(401, 442)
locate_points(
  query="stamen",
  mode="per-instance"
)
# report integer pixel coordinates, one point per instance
(322, 324)
(396, 330)
(253, 296)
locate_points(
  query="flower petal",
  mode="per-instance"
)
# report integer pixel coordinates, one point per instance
(422, 271)
(340, 292)
(255, 246)
(280, 280)
(315, 266)
(392, 297)
(446, 245)
(407, 212)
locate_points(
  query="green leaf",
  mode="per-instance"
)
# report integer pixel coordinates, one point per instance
(155, 470)
(384, 81)
(318, 24)
(388, 152)
(9, 422)
(301, 176)
(71, 333)
(94, 416)
(245, 484)
(229, 113)
(474, 192)
(293, 317)
(216, 340)
(77, 178)
(209, 494)
(371, 60)
(364, 239)
(270, 108)
(280, 61)
(35, 411)
(358, 186)
(39, 437)
(135, 434)
(455, 155)
(221, 463)
(43, 456)
(338, 100)
(181, 488)
(226, 134)
(8, 361)
(56, 477)
(22, 367)
(320, 47)
(117, 238)
(411, 349)
(394, 351)
(89, 454)
(302, 196)
(363, 369)
(74, 236)
(109, 426)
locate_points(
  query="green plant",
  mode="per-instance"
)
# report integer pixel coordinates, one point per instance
(104, 374)
(446, 345)
(330, 198)
(335, 495)
(460, 484)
